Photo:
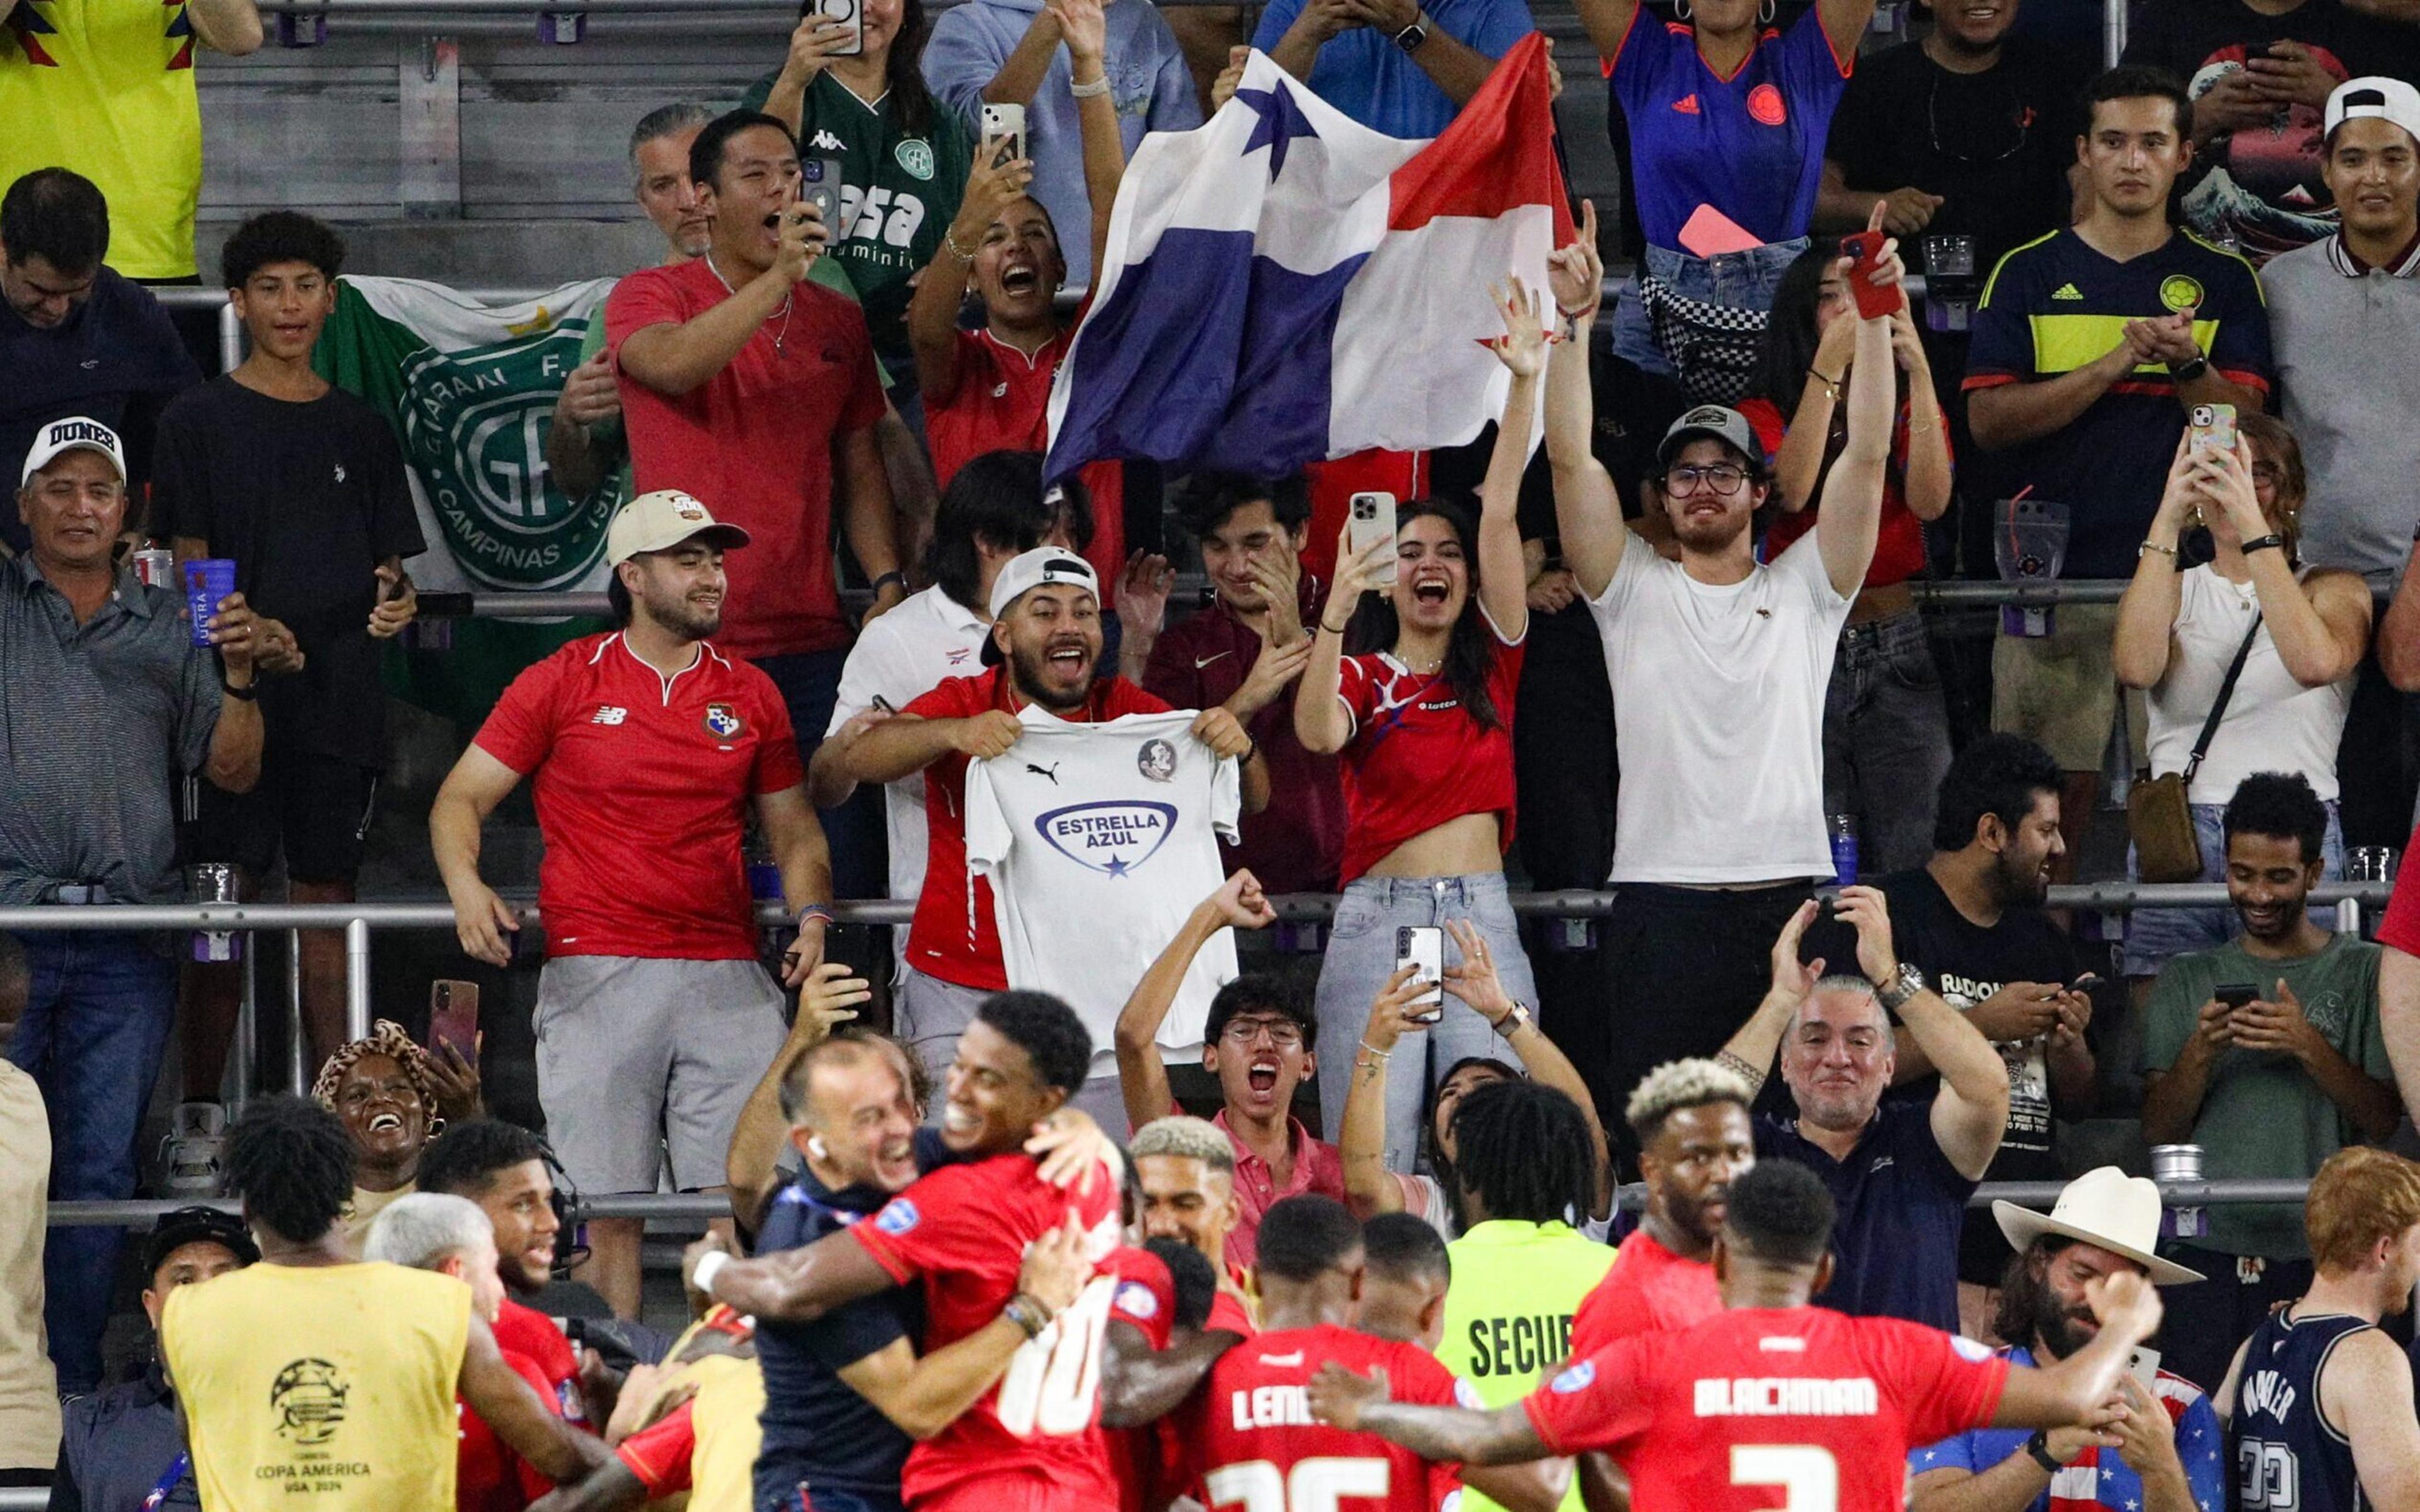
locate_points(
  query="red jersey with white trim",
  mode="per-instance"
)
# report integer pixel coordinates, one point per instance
(1649, 1289)
(487, 1476)
(1762, 1408)
(526, 1331)
(1417, 757)
(642, 785)
(1255, 1448)
(1003, 403)
(963, 1231)
(956, 934)
(1144, 1297)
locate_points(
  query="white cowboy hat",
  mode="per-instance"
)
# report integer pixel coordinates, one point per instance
(2106, 1207)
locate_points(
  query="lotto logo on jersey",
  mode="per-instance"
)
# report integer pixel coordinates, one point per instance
(1114, 837)
(897, 1216)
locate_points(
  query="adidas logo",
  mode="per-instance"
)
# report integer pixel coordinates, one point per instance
(2068, 291)
(1687, 104)
(825, 142)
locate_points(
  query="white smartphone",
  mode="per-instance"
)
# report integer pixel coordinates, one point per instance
(2144, 1365)
(850, 13)
(1373, 522)
(1422, 946)
(1003, 134)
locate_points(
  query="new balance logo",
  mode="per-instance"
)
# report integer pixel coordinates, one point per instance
(1687, 104)
(2068, 291)
(826, 141)
(608, 714)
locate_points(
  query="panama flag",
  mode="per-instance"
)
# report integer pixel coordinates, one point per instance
(1284, 284)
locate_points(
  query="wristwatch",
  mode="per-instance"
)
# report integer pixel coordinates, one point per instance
(1894, 993)
(2186, 371)
(1411, 37)
(2038, 1447)
(1515, 1022)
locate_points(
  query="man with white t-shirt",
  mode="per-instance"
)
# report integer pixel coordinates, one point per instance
(1042, 649)
(993, 510)
(1718, 664)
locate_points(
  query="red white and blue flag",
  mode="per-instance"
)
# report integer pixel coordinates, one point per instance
(1284, 284)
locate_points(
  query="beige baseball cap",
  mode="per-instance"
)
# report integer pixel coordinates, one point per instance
(661, 521)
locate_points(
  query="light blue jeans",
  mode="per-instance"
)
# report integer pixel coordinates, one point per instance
(2154, 936)
(1743, 279)
(1361, 958)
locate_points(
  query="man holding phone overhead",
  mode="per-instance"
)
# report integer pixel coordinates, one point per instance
(2266, 1052)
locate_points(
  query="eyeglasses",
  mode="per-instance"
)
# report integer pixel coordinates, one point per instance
(1722, 478)
(1284, 1035)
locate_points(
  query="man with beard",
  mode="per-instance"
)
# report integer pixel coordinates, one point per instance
(1899, 1171)
(647, 746)
(2319, 1400)
(1043, 653)
(1718, 664)
(2154, 1447)
(2266, 1052)
(1972, 920)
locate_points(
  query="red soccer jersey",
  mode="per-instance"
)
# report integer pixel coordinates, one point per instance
(1145, 1297)
(1003, 403)
(1254, 1446)
(1898, 540)
(659, 1454)
(526, 1331)
(964, 1231)
(487, 1476)
(1761, 1409)
(1417, 758)
(955, 935)
(1649, 1289)
(643, 785)
(2401, 929)
(755, 442)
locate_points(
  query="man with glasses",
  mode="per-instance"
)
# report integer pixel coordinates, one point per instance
(1257, 1040)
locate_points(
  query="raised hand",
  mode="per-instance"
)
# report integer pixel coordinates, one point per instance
(1241, 903)
(1523, 345)
(1576, 274)
(1793, 980)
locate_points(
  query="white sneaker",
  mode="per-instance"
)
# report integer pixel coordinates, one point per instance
(191, 1153)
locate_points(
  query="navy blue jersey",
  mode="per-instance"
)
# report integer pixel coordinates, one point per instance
(2288, 1457)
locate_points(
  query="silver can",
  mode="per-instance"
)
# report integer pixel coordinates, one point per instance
(215, 882)
(2176, 1162)
(157, 565)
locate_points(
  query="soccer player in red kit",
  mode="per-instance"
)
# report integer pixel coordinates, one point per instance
(1774, 1403)
(1253, 1442)
(1029, 1443)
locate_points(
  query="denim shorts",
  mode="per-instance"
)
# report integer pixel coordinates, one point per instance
(1742, 279)
(2155, 935)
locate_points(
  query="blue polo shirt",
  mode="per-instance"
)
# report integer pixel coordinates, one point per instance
(1751, 145)
(1363, 73)
(1901, 1206)
(2099, 1477)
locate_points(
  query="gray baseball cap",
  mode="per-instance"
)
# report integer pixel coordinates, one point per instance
(1714, 423)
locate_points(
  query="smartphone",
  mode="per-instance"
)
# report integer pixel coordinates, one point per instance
(1003, 134)
(2144, 1365)
(1422, 948)
(2213, 428)
(2235, 994)
(1865, 250)
(819, 180)
(850, 13)
(454, 1017)
(2088, 983)
(1373, 522)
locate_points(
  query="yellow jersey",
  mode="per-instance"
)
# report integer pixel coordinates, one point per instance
(1509, 1314)
(730, 1399)
(319, 1389)
(106, 87)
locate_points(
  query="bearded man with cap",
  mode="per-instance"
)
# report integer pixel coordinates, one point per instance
(647, 746)
(1043, 650)
(108, 699)
(2155, 1447)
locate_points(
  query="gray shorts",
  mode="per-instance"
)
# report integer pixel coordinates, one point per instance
(639, 1057)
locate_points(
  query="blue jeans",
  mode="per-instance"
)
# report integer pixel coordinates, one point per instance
(97, 1006)
(809, 682)
(2154, 936)
(1885, 741)
(1742, 279)
(1361, 958)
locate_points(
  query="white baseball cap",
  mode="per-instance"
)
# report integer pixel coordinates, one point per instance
(2390, 100)
(1033, 570)
(75, 434)
(661, 521)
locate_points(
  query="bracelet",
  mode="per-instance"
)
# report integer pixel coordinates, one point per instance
(1372, 1049)
(2038, 1447)
(951, 242)
(248, 693)
(1026, 1314)
(822, 911)
(1090, 91)
(2263, 543)
(2149, 547)
(1331, 629)
(1831, 385)
(893, 575)
(1251, 750)
(707, 1268)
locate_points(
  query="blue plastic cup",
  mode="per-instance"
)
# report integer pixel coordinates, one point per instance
(208, 580)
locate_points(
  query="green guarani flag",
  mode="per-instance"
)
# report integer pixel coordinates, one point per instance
(469, 388)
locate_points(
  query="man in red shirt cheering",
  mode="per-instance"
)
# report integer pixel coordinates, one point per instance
(1773, 1393)
(1044, 652)
(647, 746)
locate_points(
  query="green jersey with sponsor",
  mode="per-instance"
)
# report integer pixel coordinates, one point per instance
(899, 192)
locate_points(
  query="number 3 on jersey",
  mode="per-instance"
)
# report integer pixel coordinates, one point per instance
(1312, 1486)
(1053, 1377)
(1808, 1475)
